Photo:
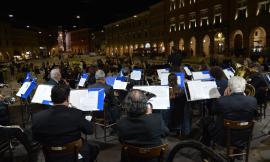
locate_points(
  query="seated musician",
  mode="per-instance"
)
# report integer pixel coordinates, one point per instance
(56, 77)
(140, 127)
(259, 83)
(8, 131)
(236, 106)
(113, 112)
(60, 126)
(218, 74)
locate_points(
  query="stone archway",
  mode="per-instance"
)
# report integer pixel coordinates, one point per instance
(257, 39)
(206, 45)
(236, 42)
(219, 43)
(171, 44)
(192, 46)
(181, 44)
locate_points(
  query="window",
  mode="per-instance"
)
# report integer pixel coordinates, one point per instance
(192, 1)
(241, 13)
(192, 24)
(217, 18)
(172, 5)
(263, 7)
(172, 28)
(204, 21)
(182, 26)
(181, 3)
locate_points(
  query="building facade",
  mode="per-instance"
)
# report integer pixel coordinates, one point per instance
(198, 27)
(141, 33)
(231, 27)
(80, 41)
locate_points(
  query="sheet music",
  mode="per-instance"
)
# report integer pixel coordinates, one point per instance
(23, 89)
(228, 73)
(76, 95)
(162, 100)
(118, 84)
(82, 82)
(200, 75)
(84, 100)
(188, 72)
(200, 90)
(159, 71)
(164, 78)
(43, 93)
(136, 75)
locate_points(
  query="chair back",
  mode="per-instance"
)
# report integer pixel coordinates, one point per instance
(145, 153)
(238, 125)
(69, 148)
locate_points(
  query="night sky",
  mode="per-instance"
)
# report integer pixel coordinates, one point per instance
(51, 13)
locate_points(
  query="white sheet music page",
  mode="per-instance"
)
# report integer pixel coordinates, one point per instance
(164, 78)
(42, 93)
(200, 90)
(200, 76)
(159, 71)
(82, 82)
(120, 85)
(75, 96)
(162, 100)
(90, 101)
(188, 72)
(211, 89)
(23, 89)
(136, 75)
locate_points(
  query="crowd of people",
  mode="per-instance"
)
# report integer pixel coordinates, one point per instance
(138, 123)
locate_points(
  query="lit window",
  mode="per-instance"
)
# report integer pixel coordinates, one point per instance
(217, 18)
(263, 7)
(181, 3)
(172, 5)
(192, 1)
(182, 26)
(172, 28)
(204, 21)
(241, 13)
(192, 24)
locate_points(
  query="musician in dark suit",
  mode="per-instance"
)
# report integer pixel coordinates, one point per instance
(113, 111)
(56, 77)
(140, 127)
(233, 106)
(61, 125)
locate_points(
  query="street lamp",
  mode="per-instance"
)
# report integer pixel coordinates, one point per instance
(78, 17)
(10, 15)
(39, 32)
(27, 26)
(74, 26)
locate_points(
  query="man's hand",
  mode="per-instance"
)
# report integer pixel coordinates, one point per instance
(227, 92)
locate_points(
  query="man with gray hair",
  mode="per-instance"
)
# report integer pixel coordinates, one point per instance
(236, 106)
(55, 77)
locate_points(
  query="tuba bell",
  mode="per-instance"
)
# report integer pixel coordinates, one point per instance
(250, 90)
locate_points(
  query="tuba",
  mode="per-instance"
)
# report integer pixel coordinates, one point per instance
(250, 90)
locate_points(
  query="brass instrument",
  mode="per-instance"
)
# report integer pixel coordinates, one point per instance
(250, 90)
(245, 72)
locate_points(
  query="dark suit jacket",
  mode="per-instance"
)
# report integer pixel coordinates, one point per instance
(143, 131)
(222, 85)
(59, 125)
(236, 107)
(52, 82)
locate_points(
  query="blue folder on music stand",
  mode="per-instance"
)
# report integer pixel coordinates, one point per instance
(101, 97)
(26, 89)
(181, 83)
